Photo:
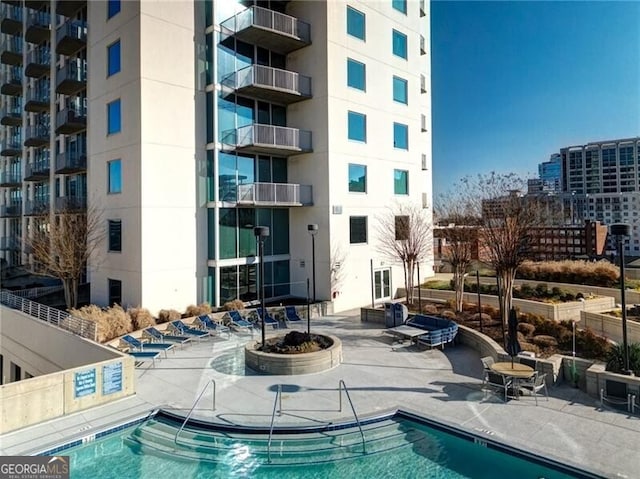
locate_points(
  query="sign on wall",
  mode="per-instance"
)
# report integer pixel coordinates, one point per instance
(111, 378)
(84, 383)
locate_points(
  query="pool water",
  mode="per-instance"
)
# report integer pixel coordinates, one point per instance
(396, 447)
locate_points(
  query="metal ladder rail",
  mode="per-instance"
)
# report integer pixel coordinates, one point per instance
(341, 386)
(212, 382)
(276, 402)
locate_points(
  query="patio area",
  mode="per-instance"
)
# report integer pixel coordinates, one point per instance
(381, 375)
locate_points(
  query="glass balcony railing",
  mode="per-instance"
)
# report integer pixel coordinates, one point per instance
(36, 135)
(38, 170)
(11, 50)
(38, 62)
(268, 139)
(37, 207)
(11, 210)
(71, 120)
(71, 37)
(9, 243)
(72, 78)
(38, 97)
(11, 81)
(12, 146)
(11, 15)
(270, 84)
(11, 114)
(70, 203)
(71, 161)
(10, 179)
(38, 27)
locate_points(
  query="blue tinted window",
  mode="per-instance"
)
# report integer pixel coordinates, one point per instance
(400, 136)
(356, 74)
(400, 182)
(400, 90)
(114, 122)
(115, 176)
(400, 5)
(356, 24)
(357, 126)
(113, 58)
(399, 44)
(113, 7)
(357, 178)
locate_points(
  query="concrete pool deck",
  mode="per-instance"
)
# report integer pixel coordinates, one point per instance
(441, 384)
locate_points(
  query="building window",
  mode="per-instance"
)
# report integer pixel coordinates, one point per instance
(357, 178)
(357, 229)
(402, 228)
(400, 90)
(113, 7)
(113, 58)
(399, 44)
(400, 182)
(115, 235)
(400, 136)
(114, 124)
(115, 292)
(357, 128)
(356, 74)
(400, 5)
(114, 173)
(356, 24)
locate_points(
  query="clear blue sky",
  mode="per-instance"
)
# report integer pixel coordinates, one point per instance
(513, 82)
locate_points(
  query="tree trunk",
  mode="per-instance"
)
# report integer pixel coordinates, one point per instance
(506, 279)
(411, 267)
(406, 286)
(70, 286)
(458, 286)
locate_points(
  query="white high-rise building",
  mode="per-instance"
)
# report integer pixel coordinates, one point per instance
(189, 123)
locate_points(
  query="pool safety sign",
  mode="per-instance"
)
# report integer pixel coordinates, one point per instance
(84, 383)
(111, 378)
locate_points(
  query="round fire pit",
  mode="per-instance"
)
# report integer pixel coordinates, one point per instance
(291, 361)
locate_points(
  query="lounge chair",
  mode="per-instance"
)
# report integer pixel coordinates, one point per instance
(182, 328)
(291, 314)
(535, 384)
(140, 356)
(155, 335)
(140, 346)
(267, 318)
(207, 323)
(499, 382)
(239, 323)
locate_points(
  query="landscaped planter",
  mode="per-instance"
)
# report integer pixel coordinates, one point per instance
(610, 327)
(290, 364)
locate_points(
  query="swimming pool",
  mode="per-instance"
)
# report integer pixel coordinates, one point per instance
(397, 445)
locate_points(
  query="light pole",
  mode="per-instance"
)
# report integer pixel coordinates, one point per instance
(479, 302)
(313, 231)
(621, 231)
(261, 232)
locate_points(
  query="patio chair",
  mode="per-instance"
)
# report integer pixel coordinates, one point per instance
(212, 326)
(153, 334)
(140, 346)
(182, 328)
(531, 362)
(616, 393)
(487, 361)
(499, 382)
(291, 314)
(535, 384)
(237, 322)
(263, 315)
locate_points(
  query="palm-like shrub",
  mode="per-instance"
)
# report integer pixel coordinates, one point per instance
(615, 358)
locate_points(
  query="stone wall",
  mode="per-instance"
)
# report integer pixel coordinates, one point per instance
(610, 327)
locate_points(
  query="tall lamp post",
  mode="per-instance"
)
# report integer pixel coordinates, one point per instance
(313, 231)
(261, 232)
(621, 231)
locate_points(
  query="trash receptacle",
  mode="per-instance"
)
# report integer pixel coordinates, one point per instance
(389, 315)
(400, 314)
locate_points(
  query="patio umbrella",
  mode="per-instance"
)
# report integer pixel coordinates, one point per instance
(513, 346)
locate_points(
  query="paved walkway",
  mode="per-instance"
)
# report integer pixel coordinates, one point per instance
(381, 376)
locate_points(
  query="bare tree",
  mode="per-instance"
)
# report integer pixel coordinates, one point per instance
(459, 229)
(405, 234)
(61, 244)
(338, 259)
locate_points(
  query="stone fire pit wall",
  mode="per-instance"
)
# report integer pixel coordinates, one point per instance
(290, 364)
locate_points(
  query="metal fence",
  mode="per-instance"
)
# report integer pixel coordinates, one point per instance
(81, 327)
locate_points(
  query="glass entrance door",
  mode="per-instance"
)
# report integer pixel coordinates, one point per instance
(382, 284)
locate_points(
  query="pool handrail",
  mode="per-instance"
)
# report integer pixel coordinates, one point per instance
(343, 386)
(276, 402)
(213, 383)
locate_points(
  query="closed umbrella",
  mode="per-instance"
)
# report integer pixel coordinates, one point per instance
(513, 346)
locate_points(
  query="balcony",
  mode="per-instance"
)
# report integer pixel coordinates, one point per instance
(36, 135)
(11, 147)
(11, 210)
(71, 120)
(267, 28)
(274, 194)
(37, 100)
(72, 78)
(38, 27)
(11, 19)
(69, 7)
(11, 115)
(9, 244)
(71, 37)
(38, 62)
(72, 161)
(39, 207)
(11, 50)
(68, 204)
(269, 84)
(10, 180)
(11, 81)
(268, 139)
(37, 170)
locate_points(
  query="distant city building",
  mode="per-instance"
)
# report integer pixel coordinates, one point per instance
(550, 173)
(555, 243)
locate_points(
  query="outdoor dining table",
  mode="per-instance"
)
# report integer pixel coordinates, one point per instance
(406, 332)
(516, 371)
